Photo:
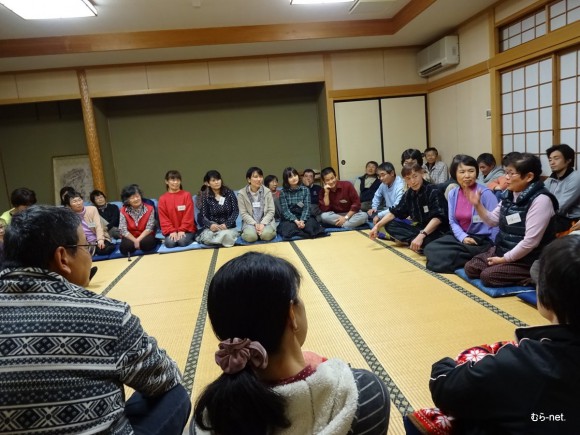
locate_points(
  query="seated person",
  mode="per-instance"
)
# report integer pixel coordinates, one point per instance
(109, 212)
(490, 174)
(176, 212)
(295, 201)
(20, 199)
(564, 184)
(271, 182)
(91, 223)
(89, 348)
(219, 211)
(525, 219)
(136, 222)
(424, 204)
(256, 207)
(471, 236)
(411, 156)
(389, 192)
(436, 169)
(339, 203)
(367, 184)
(63, 192)
(315, 189)
(269, 384)
(530, 386)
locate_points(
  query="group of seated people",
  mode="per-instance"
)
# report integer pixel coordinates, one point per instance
(56, 380)
(491, 220)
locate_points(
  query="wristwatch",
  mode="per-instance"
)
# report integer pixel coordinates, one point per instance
(346, 216)
(423, 232)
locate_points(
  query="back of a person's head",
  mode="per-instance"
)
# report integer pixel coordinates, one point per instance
(35, 233)
(22, 197)
(248, 298)
(559, 282)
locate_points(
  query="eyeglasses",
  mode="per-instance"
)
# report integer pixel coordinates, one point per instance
(91, 248)
(511, 174)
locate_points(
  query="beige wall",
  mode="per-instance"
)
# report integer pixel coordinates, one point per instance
(457, 119)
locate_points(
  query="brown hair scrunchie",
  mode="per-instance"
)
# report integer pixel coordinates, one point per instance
(235, 353)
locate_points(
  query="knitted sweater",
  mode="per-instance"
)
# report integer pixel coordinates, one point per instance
(66, 354)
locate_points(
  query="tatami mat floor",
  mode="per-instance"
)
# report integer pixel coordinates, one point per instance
(369, 303)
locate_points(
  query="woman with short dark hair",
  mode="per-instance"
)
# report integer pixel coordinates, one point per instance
(471, 236)
(136, 222)
(525, 219)
(256, 208)
(219, 211)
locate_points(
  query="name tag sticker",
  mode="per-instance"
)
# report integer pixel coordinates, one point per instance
(256, 204)
(343, 201)
(300, 204)
(425, 209)
(91, 225)
(180, 208)
(476, 219)
(513, 218)
(222, 201)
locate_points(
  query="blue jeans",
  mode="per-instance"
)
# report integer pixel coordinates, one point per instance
(164, 415)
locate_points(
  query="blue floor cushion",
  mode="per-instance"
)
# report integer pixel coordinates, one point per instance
(494, 292)
(530, 297)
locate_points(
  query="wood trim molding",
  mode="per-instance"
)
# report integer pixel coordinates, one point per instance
(554, 41)
(210, 36)
(388, 91)
(463, 75)
(523, 12)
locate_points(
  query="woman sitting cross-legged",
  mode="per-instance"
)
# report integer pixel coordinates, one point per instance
(176, 212)
(525, 216)
(295, 202)
(269, 385)
(471, 236)
(219, 211)
(91, 223)
(529, 386)
(256, 208)
(136, 222)
(424, 204)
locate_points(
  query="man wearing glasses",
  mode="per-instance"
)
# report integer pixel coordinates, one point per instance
(67, 353)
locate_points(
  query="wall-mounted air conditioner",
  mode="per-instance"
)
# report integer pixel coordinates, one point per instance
(438, 56)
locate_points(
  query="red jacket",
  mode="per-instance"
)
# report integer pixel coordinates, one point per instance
(176, 213)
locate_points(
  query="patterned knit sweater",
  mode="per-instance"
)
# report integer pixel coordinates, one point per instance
(66, 354)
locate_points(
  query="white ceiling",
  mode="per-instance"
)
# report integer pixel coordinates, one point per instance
(120, 16)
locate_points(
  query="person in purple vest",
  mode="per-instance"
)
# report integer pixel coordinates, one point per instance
(136, 222)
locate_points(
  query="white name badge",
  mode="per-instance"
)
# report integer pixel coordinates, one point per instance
(180, 208)
(91, 225)
(256, 204)
(222, 201)
(343, 201)
(513, 218)
(300, 204)
(425, 209)
(476, 219)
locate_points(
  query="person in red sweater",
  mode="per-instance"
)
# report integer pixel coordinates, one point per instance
(176, 212)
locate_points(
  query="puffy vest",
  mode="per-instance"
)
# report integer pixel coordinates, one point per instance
(510, 235)
(137, 228)
(367, 193)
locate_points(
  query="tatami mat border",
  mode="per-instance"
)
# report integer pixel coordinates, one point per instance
(120, 277)
(396, 395)
(193, 354)
(453, 285)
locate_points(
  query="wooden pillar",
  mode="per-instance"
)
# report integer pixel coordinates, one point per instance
(93, 147)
